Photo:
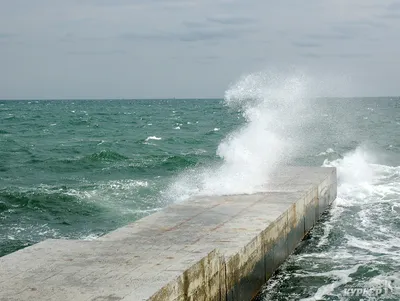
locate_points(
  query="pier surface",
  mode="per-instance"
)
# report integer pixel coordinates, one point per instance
(210, 248)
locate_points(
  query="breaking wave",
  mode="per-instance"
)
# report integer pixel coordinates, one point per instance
(357, 245)
(275, 113)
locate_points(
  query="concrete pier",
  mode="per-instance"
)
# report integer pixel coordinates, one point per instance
(211, 248)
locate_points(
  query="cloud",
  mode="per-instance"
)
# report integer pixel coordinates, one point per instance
(347, 30)
(392, 11)
(313, 55)
(310, 55)
(134, 38)
(367, 23)
(328, 36)
(162, 3)
(352, 55)
(6, 35)
(194, 24)
(108, 2)
(231, 20)
(208, 35)
(306, 44)
(394, 6)
(96, 52)
(208, 59)
(219, 22)
(154, 36)
(192, 33)
(393, 15)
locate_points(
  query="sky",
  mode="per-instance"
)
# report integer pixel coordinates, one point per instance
(185, 48)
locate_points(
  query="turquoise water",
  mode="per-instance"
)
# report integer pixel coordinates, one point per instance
(79, 169)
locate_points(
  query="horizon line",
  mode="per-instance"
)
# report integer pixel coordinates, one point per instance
(173, 98)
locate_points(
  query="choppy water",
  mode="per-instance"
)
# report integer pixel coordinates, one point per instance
(79, 169)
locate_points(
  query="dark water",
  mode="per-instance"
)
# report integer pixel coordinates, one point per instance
(79, 169)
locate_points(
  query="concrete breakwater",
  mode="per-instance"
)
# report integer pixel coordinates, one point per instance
(209, 248)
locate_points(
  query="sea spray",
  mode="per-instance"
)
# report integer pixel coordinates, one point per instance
(355, 250)
(276, 113)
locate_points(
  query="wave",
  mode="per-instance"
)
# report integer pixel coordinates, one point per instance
(44, 203)
(152, 138)
(179, 162)
(83, 211)
(275, 110)
(168, 163)
(104, 155)
(356, 245)
(91, 161)
(32, 215)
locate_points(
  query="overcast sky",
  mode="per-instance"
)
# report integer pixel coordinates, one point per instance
(188, 48)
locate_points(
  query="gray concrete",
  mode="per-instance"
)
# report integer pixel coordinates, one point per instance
(211, 248)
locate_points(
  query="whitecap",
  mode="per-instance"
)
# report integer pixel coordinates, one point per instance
(153, 138)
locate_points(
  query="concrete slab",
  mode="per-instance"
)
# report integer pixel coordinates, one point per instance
(210, 248)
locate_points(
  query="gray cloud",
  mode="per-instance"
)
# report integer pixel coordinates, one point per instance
(366, 23)
(392, 11)
(352, 55)
(208, 59)
(6, 35)
(96, 52)
(306, 44)
(310, 55)
(108, 2)
(328, 36)
(394, 6)
(313, 55)
(136, 42)
(208, 35)
(192, 33)
(393, 15)
(194, 24)
(231, 20)
(155, 36)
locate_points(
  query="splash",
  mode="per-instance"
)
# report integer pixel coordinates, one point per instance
(367, 194)
(357, 248)
(275, 110)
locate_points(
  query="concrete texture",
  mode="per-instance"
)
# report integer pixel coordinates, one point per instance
(210, 248)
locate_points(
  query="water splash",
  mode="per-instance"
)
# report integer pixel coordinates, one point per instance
(276, 111)
(358, 247)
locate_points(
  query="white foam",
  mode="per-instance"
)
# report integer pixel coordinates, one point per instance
(107, 193)
(153, 138)
(90, 237)
(275, 112)
(339, 277)
(328, 151)
(361, 234)
(367, 194)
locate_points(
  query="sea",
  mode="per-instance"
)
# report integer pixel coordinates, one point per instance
(77, 169)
